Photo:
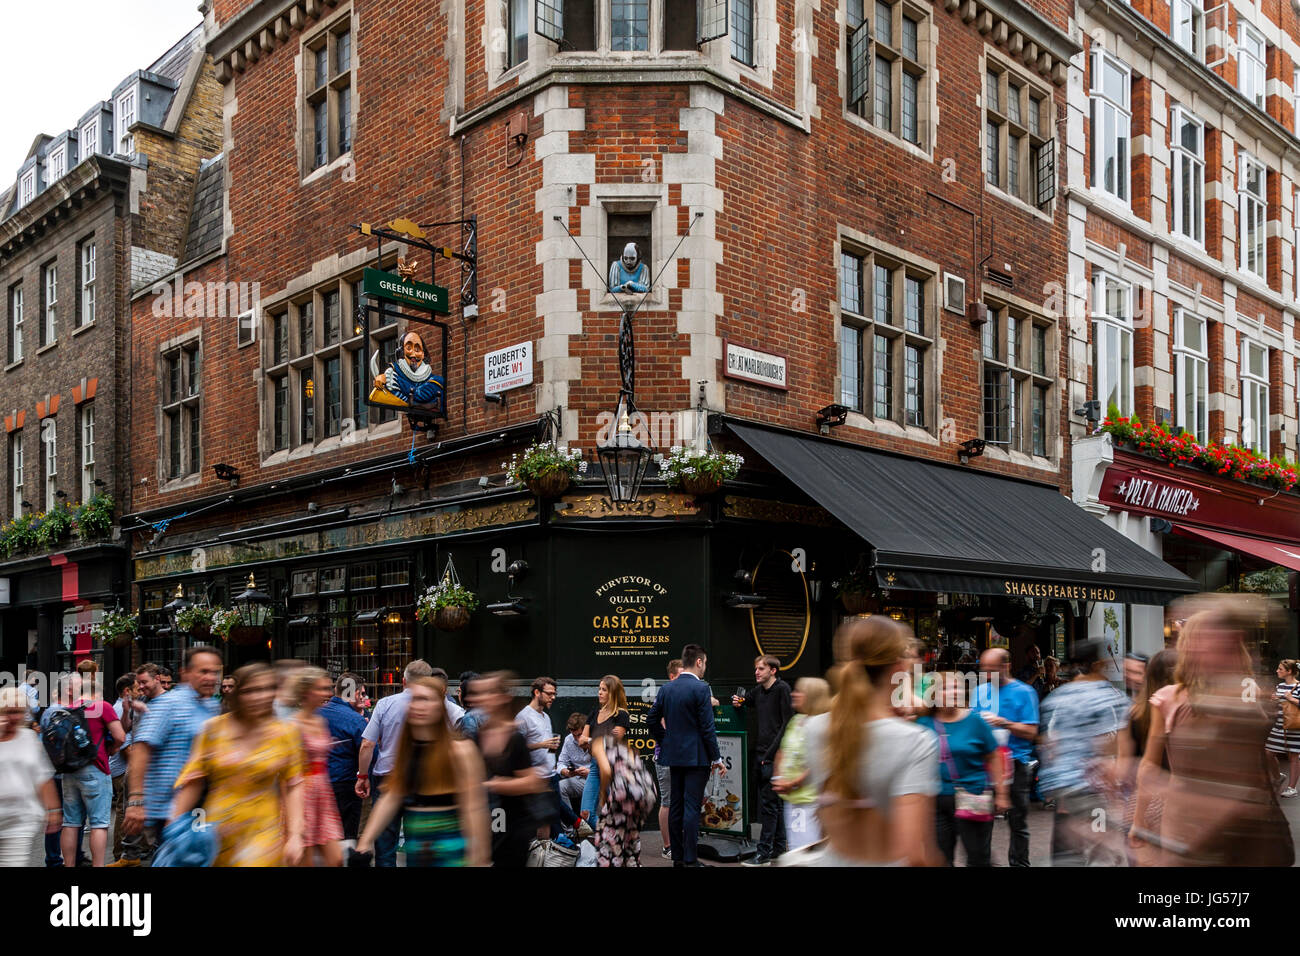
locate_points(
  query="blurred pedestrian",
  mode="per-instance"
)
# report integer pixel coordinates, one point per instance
(681, 723)
(435, 788)
(286, 687)
(534, 722)
(1220, 802)
(380, 742)
(811, 696)
(117, 763)
(664, 779)
(346, 728)
(609, 719)
(876, 773)
(161, 741)
(1135, 669)
(247, 768)
(972, 785)
(165, 679)
(28, 801)
(88, 790)
(474, 716)
(771, 698)
(1011, 708)
(1033, 669)
(1159, 673)
(628, 800)
(227, 688)
(1281, 742)
(513, 786)
(322, 829)
(1081, 723)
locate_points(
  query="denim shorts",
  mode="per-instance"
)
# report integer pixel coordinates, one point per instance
(664, 777)
(87, 798)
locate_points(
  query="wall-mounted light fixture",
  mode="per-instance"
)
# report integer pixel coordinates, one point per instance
(830, 417)
(971, 448)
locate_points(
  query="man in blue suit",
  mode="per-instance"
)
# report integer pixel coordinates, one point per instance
(681, 722)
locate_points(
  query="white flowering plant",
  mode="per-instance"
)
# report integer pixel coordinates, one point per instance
(541, 460)
(115, 627)
(695, 464)
(224, 620)
(442, 595)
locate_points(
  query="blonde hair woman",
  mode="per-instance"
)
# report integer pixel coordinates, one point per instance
(436, 784)
(322, 831)
(811, 696)
(609, 719)
(876, 774)
(29, 803)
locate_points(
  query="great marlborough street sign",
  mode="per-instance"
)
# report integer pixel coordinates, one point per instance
(749, 365)
(385, 285)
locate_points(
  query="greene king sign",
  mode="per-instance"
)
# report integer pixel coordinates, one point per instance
(385, 285)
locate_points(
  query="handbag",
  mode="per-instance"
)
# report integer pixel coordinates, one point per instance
(548, 853)
(1290, 713)
(976, 807)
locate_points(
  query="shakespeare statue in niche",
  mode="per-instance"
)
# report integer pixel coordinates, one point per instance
(629, 273)
(409, 383)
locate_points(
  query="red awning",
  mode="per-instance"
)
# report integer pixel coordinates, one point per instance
(1285, 553)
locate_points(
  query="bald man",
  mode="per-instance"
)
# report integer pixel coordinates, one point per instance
(1011, 705)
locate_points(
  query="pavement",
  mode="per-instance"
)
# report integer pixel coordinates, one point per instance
(1040, 840)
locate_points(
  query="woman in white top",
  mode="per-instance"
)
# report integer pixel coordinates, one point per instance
(877, 774)
(28, 801)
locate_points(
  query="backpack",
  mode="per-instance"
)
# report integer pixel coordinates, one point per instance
(67, 740)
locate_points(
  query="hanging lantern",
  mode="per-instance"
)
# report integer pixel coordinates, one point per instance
(624, 460)
(253, 607)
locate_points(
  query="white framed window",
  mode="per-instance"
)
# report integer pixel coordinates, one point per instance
(50, 305)
(1252, 213)
(15, 323)
(1254, 396)
(1189, 26)
(517, 30)
(1250, 64)
(1295, 99)
(1187, 139)
(16, 470)
(1111, 119)
(27, 187)
(86, 435)
(90, 139)
(125, 120)
(1112, 342)
(50, 436)
(86, 267)
(1191, 373)
(56, 164)
(1295, 248)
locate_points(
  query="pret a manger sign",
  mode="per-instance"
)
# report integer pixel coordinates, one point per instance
(1157, 496)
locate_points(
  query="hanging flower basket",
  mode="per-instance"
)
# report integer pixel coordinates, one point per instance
(451, 618)
(701, 486)
(201, 634)
(119, 640)
(550, 484)
(696, 472)
(116, 629)
(247, 636)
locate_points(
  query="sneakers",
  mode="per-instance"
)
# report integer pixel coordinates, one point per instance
(1288, 792)
(125, 861)
(759, 860)
(666, 853)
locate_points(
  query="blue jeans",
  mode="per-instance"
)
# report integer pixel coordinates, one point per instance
(567, 817)
(386, 842)
(591, 793)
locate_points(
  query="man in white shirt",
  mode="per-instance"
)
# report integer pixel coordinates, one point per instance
(534, 723)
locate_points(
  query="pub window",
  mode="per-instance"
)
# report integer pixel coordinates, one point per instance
(1020, 154)
(328, 83)
(1017, 385)
(180, 388)
(16, 472)
(886, 334)
(15, 298)
(625, 227)
(317, 373)
(1112, 342)
(1191, 373)
(888, 61)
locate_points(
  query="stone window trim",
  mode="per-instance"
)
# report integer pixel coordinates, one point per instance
(1114, 320)
(325, 33)
(927, 114)
(1189, 159)
(1015, 356)
(1252, 216)
(715, 54)
(642, 198)
(901, 264)
(1191, 373)
(1035, 131)
(1110, 108)
(178, 409)
(297, 367)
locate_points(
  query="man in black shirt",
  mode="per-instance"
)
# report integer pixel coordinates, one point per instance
(772, 700)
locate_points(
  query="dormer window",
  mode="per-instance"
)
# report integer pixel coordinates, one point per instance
(125, 120)
(56, 164)
(90, 139)
(27, 187)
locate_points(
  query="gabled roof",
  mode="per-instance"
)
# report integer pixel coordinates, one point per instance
(175, 61)
(207, 214)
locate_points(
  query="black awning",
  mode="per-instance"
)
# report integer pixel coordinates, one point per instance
(936, 527)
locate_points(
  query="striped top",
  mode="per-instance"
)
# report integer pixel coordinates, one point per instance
(1278, 738)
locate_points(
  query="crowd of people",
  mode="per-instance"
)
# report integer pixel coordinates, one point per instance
(880, 763)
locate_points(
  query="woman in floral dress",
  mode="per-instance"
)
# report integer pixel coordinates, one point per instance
(252, 765)
(629, 797)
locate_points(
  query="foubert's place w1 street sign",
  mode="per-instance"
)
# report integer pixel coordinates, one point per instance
(385, 285)
(508, 368)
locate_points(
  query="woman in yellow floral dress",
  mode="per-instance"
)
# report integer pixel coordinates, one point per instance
(252, 765)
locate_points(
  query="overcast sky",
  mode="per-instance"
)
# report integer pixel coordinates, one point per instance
(60, 57)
